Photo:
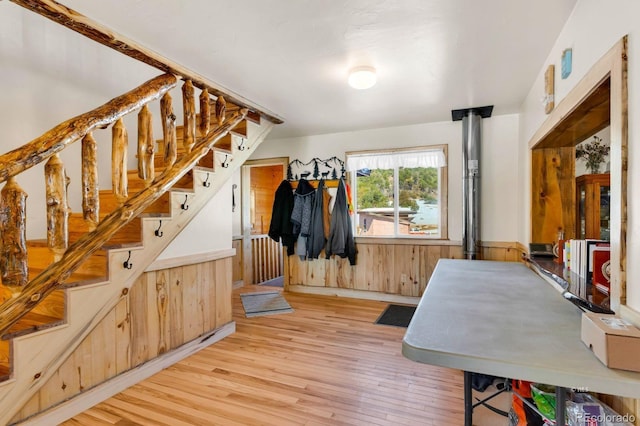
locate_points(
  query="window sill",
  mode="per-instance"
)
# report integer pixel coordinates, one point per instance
(413, 241)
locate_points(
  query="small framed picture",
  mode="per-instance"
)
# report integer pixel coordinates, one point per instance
(566, 63)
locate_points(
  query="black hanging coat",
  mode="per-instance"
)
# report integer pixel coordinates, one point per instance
(281, 228)
(301, 215)
(316, 240)
(341, 241)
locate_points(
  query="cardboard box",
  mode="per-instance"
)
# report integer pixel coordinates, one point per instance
(613, 340)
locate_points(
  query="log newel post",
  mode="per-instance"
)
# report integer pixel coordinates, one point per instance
(119, 147)
(14, 271)
(146, 149)
(221, 107)
(189, 109)
(57, 208)
(168, 130)
(90, 190)
(205, 112)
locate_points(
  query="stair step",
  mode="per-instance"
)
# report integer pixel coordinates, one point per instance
(136, 184)
(5, 360)
(48, 313)
(240, 129)
(76, 278)
(231, 108)
(224, 143)
(30, 323)
(130, 233)
(158, 159)
(108, 203)
(94, 269)
(254, 117)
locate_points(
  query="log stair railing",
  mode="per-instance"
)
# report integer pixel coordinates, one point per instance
(54, 290)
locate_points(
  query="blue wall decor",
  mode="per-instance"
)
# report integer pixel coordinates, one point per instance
(566, 63)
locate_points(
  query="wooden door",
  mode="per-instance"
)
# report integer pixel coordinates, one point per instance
(263, 257)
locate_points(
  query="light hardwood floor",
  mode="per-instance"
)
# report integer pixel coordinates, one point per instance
(325, 364)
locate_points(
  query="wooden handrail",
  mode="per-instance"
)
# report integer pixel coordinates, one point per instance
(53, 277)
(56, 139)
(97, 32)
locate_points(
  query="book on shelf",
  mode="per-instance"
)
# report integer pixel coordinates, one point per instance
(578, 256)
(601, 275)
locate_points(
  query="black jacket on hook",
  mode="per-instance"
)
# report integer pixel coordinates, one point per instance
(301, 215)
(281, 228)
(316, 240)
(341, 241)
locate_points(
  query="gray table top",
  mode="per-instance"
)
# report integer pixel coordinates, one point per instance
(502, 319)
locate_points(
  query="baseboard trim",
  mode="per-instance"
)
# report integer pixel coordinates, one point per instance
(82, 402)
(354, 294)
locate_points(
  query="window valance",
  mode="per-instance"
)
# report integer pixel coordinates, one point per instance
(391, 160)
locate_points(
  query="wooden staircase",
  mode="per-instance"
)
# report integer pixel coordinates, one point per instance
(67, 293)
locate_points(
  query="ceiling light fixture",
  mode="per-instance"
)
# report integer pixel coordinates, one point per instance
(362, 77)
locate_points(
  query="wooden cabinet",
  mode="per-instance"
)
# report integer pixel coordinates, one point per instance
(593, 194)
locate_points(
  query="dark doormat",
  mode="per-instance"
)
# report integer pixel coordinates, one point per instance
(397, 315)
(275, 282)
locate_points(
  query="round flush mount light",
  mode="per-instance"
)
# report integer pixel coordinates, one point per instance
(362, 77)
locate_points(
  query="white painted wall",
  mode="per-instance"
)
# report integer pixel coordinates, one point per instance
(49, 74)
(499, 170)
(209, 231)
(593, 28)
(236, 216)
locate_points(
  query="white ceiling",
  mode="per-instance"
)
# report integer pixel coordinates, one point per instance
(292, 56)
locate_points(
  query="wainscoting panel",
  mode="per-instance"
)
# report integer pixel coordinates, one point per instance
(384, 266)
(162, 311)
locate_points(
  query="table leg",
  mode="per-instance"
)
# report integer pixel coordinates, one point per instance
(468, 402)
(561, 402)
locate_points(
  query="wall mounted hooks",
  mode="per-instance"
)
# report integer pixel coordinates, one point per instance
(225, 163)
(158, 232)
(206, 182)
(126, 264)
(241, 146)
(185, 206)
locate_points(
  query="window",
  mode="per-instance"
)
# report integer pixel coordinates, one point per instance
(400, 193)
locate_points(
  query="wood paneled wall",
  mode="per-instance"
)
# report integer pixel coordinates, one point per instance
(237, 270)
(163, 310)
(264, 182)
(400, 267)
(553, 189)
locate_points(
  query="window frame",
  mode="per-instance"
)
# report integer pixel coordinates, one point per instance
(443, 193)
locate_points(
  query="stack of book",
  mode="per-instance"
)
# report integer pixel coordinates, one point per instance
(588, 259)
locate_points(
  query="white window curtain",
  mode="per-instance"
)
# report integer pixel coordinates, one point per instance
(409, 159)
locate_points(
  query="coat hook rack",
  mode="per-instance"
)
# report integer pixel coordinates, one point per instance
(206, 182)
(316, 169)
(225, 163)
(126, 264)
(185, 206)
(158, 232)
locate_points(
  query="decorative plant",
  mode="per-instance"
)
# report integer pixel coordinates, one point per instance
(594, 153)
